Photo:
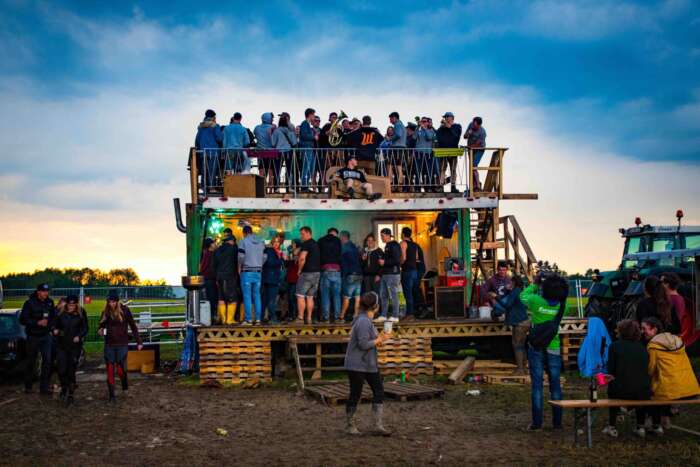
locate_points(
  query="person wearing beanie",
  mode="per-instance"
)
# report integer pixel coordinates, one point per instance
(225, 263)
(208, 143)
(115, 321)
(69, 328)
(37, 316)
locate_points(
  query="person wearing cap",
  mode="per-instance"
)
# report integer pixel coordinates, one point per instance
(365, 141)
(448, 136)
(251, 257)
(37, 317)
(425, 168)
(396, 151)
(307, 141)
(353, 180)
(206, 270)
(390, 276)
(115, 322)
(69, 328)
(225, 263)
(235, 139)
(208, 143)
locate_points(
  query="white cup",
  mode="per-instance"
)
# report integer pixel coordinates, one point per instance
(387, 326)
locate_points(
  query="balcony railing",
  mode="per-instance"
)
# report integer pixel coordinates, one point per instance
(300, 172)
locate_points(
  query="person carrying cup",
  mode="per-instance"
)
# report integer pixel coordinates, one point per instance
(361, 364)
(37, 316)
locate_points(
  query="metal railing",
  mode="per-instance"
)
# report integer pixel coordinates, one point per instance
(310, 170)
(126, 293)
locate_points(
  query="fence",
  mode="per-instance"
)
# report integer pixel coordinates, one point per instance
(126, 293)
(302, 170)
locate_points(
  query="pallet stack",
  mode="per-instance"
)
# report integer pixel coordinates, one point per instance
(570, 345)
(414, 355)
(235, 362)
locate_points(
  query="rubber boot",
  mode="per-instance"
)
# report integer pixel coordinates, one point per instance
(230, 313)
(351, 427)
(377, 415)
(221, 312)
(520, 359)
(110, 390)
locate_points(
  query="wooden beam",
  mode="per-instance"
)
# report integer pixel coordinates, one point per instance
(489, 245)
(460, 372)
(520, 196)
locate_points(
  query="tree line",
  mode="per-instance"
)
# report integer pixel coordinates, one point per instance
(76, 277)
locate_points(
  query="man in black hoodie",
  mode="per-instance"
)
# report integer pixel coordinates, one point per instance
(448, 136)
(37, 317)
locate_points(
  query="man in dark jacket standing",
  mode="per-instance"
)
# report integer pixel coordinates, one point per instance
(225, 263)
(331, 279)
(448, 136)
(37, 316)
(391, 277)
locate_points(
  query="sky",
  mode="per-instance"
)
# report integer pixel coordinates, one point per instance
(598, 103)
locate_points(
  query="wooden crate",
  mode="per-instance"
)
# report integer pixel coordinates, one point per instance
(235, 361)
(336, 393)
(411, 391)
(244, 186)
(414, 355)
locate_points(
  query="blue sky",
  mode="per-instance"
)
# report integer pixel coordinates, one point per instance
(104, 96)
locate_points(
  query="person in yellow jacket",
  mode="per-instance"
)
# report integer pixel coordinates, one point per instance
(672, 376)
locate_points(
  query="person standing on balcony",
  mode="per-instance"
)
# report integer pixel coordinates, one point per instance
(251, 257)
(235, 139)
(225, 263)
(371, 269)
(115, 322)
(208, 143)
(390, 277)
(322, 161)
(307, 141)
(331, 278)
(354, 181)
(476, 141)
(351, 269)
(70, 328)
(409, 269)
(423, 171)
(448, 136)
(263, 143)
(382, 165)
(37, 316)
(396, 150)
(326, 130)
(365, 141)
(284, 139)
(271, 278)
(310, 274)
(206, 270)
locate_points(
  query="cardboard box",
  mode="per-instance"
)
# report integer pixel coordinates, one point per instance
(244, 186)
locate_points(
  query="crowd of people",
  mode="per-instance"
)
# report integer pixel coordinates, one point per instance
(57, 331)
(230, 148)
(249, 278)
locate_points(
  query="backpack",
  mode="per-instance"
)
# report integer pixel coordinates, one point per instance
(542, 334)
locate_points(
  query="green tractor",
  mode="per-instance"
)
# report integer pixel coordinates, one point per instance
(649, 250)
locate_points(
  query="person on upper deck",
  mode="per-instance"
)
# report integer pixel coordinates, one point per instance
(307, 140)
(476, 139)
(354, 181)
(236, 137)
(331, 278)
(395, 154)
(325, 131)
(448, 136)
(365, 141)
(209, 140)
(284, 139)
(425, 168)
(263, 132)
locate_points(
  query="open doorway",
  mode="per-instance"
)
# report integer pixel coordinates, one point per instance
(395, 225)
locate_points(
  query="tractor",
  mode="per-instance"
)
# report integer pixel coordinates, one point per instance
(649, 250)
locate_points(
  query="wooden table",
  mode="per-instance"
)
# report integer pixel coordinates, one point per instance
(581, 405)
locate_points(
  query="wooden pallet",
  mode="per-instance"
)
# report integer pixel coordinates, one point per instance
(514, 379)
(336, 393)
(411, 391)
(413, 355)
(235, 362)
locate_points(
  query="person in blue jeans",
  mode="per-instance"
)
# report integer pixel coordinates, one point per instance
(409, 269)
(251, 257)
(331, 279)
(307, 141)
(351, 269)
(271, 278)
(543, 306)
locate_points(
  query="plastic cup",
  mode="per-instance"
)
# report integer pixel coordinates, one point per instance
(600, 379)
(388, 326)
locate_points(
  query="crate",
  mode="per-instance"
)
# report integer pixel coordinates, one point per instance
(244, 186)
(414, 355)
(235, 361)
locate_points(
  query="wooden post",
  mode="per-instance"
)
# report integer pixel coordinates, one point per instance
(319, 362)
(297, 362)
(193, 175)
(458, 374)
(501, 153)
(470, 171)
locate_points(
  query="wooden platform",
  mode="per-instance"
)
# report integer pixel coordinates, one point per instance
(413, 355)
(235, 362)
(338, 392)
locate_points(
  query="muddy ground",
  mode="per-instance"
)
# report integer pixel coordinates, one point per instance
(173, 421)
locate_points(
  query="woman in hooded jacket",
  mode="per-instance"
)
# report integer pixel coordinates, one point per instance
(672, 376)
(69, 329)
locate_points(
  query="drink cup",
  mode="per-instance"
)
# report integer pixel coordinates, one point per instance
(387, 326)
(600, 379)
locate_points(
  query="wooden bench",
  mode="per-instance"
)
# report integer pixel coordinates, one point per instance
(584, 407)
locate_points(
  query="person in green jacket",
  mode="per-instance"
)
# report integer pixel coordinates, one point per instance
(542, 299)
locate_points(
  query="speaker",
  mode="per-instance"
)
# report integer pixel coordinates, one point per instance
(445, 223)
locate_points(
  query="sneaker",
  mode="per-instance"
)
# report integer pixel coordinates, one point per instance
(379, 319)
(246, 323)
(394, 319)
(532, 428)
(610, 431)
(323, 321)
(640, 432)
(657, 430)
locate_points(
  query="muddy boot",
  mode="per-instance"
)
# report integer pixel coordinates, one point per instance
(520, 359)
(221, 312)
(230, 313)
(64, 392)
(377, 414)
(110, 391)
(351, 427)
